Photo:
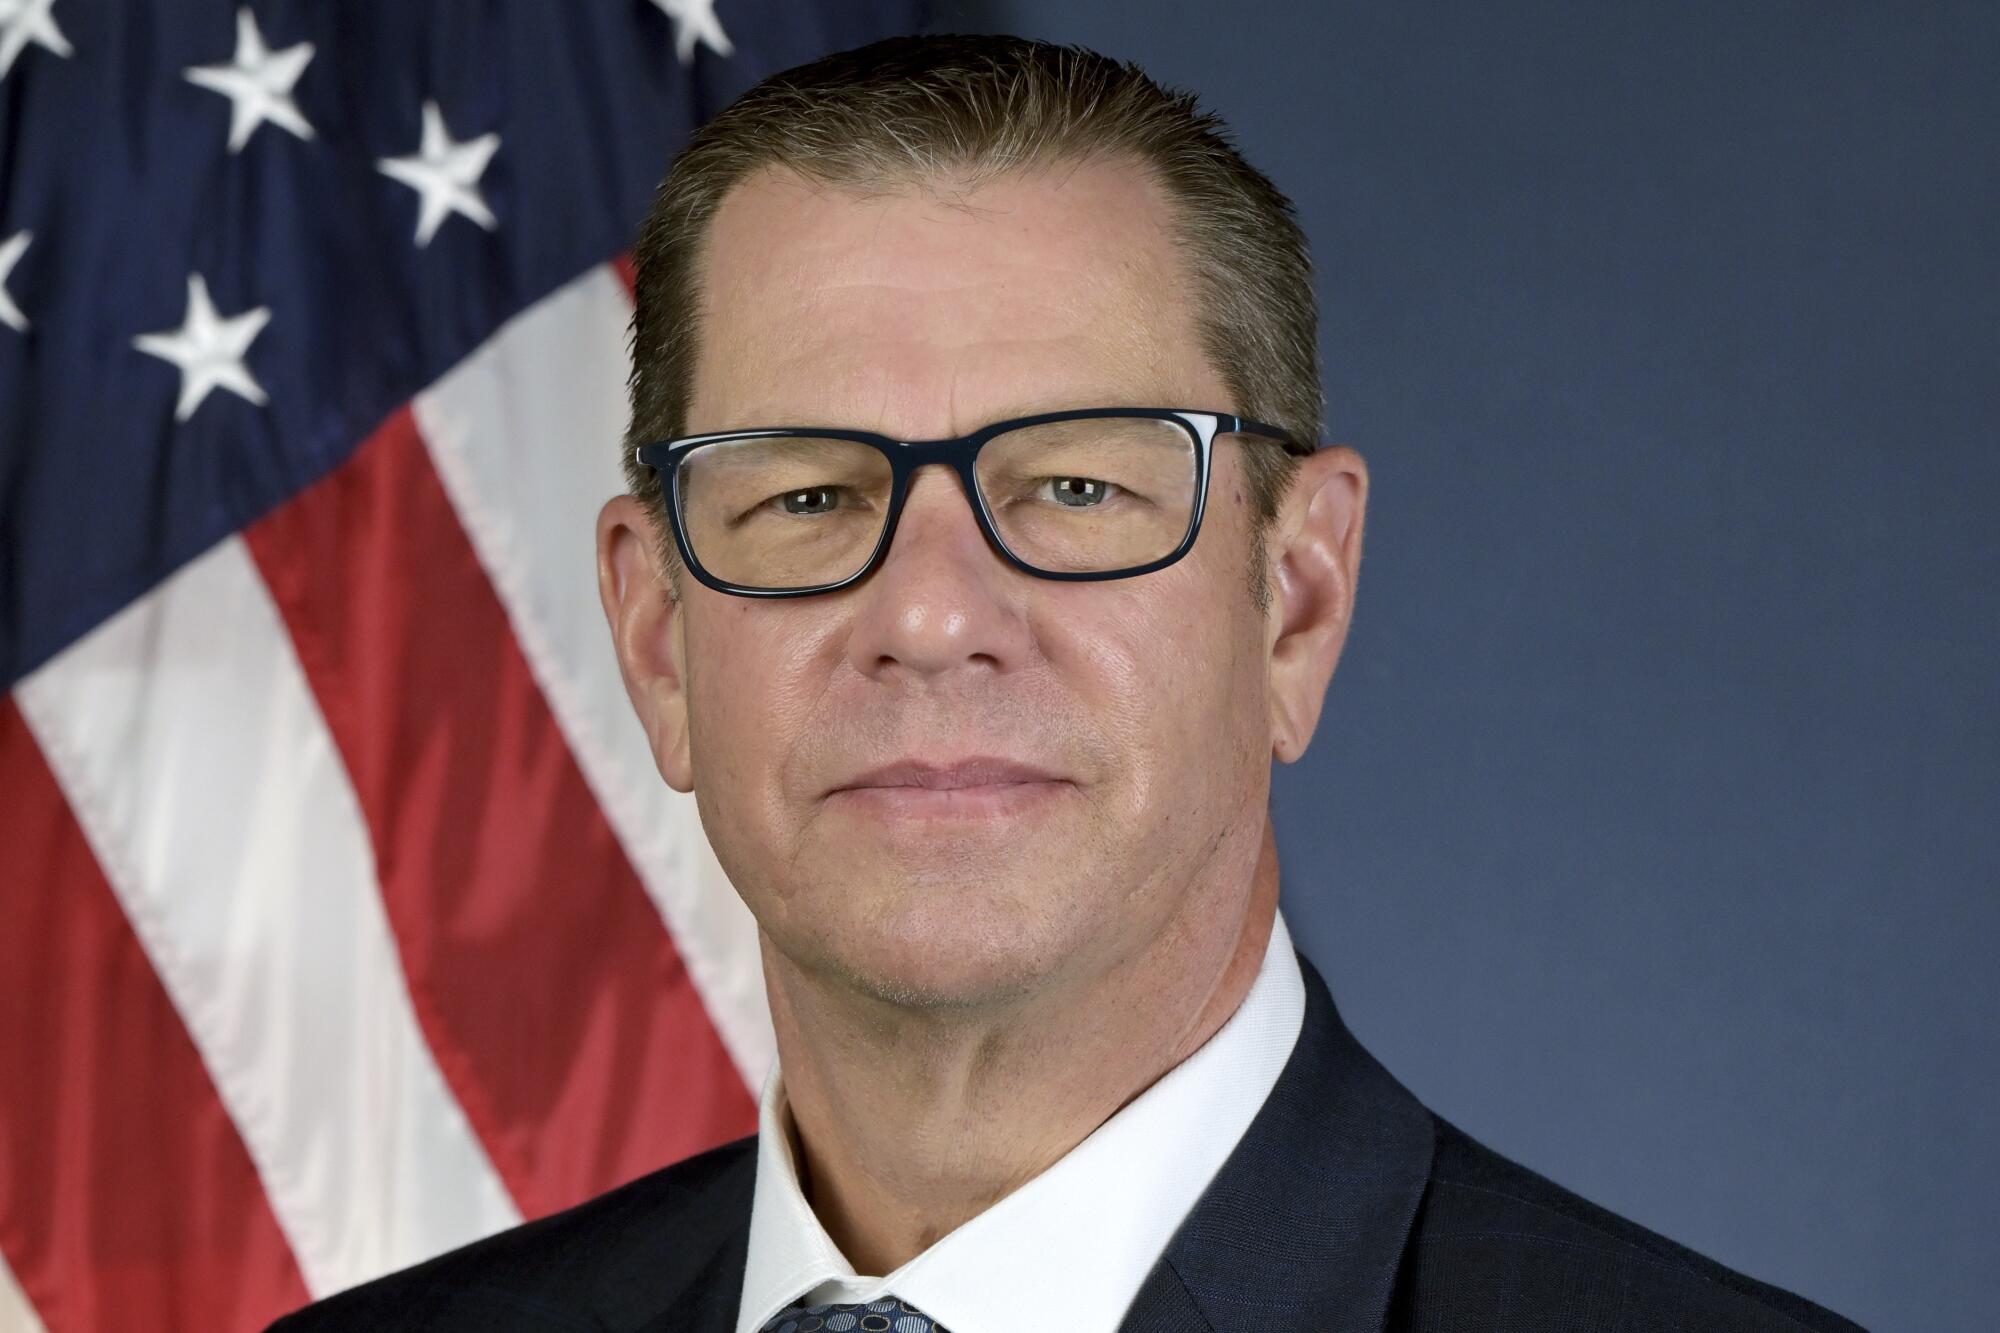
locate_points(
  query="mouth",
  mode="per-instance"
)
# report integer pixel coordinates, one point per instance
(993, 800)
(951, 774)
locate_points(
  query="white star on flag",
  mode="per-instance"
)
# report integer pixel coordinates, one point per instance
(208, 349)
(10, 254)
(695, 21)
(258, 83)
(445, 175)
(24, 21)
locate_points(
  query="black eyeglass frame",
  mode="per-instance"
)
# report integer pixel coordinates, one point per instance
(959, 454)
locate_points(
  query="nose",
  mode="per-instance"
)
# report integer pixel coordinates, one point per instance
(942, 598)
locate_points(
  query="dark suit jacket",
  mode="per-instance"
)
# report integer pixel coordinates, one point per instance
(1347, 1205)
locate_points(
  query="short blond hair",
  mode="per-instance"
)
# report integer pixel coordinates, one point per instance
(907, 110)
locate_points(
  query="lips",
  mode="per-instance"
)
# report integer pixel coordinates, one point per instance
(952, 775)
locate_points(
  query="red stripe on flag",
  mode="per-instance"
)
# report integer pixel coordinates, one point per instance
(626, 273)
(127, 1198)
(549, 989)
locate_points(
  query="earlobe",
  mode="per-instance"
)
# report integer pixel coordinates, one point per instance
(1315, 556)
(647, 632)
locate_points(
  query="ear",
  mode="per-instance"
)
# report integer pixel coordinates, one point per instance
(1314, 555)
(648, 631)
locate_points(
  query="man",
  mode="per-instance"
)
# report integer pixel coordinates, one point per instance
(979, 560)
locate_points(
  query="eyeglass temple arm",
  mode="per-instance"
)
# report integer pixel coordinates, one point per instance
(1245, 426)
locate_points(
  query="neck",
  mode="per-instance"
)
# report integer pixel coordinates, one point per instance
(921, 1123)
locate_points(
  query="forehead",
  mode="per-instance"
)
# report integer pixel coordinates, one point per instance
(935, 309)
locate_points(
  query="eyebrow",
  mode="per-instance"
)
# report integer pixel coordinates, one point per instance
(1005, 412)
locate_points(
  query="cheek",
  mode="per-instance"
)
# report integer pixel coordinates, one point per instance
(751, 698)
(758, 701)
(1163, 670)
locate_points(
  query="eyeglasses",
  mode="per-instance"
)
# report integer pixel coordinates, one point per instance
(1092, 493)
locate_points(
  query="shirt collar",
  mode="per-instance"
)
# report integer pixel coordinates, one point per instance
(1081, 1236)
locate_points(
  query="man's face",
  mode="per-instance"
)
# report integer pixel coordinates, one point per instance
(1144, 699)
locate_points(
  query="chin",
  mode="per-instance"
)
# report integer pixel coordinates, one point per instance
(939, 944)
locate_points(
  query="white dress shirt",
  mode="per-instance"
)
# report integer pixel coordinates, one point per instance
(1080, 1237)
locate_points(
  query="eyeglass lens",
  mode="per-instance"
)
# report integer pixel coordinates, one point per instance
(1094, 495)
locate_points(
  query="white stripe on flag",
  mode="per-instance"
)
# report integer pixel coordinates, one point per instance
(186, 739)
(16, 1315)
(525, 434)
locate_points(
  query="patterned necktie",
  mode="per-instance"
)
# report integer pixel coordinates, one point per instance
(887, 1315)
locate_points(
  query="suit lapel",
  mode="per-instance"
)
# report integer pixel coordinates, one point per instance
(709, 1303)
(1304, 1226)
(705, 1300)
(1165, 1305)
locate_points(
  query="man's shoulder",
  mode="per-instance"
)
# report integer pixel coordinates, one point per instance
(610, 1262)
(1497, 1245)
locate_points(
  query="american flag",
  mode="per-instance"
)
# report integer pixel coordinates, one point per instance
(343, 916)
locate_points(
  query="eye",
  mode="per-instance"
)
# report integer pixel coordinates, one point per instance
(1078, 492)
(809, 500)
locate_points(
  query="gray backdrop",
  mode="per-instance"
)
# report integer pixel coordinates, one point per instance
(1650, 834)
